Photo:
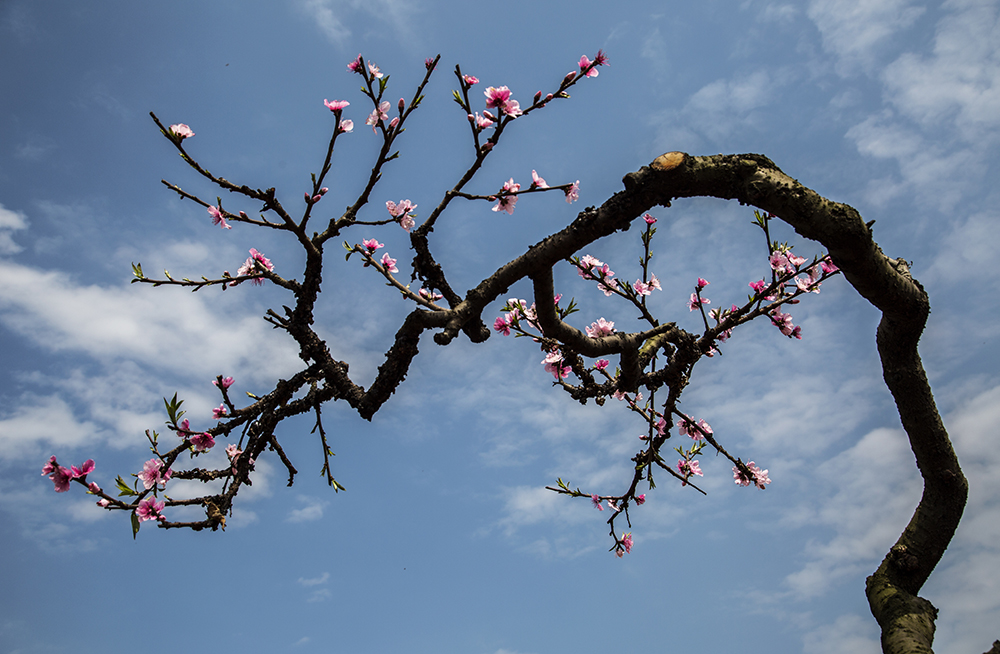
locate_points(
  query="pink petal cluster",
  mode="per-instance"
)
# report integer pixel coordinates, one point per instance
(602, 364)
(553, 363)
(355, 66)
(685, 428)
(507, 202)
(218, 218)
(482, 122)
(470, 80)
(346, 126)
(371, 245)
(389, 263)
(255, 261)
(573, 192)
(502, 324)
(645, 288)
(596, 501)
(688, 468)
(626, 543)
(403, 211)
(336, 106)
(149, 509)
(536, 181)
(226, 382)
(203, 442)
(378, 114)
(152, 474)
(429, 295)
(760, 478)
(783, 321)
(640, 499)
(600, 328)
(180, 131)
(649, 219)
(219, 412)
(696, 301)
(500, 98)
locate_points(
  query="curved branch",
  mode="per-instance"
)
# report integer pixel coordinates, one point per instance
(907, 621)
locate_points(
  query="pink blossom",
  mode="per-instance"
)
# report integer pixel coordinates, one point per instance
(255, 261)
(180, 131)
(482, 122)
(553, 363)
(355, 66)
(85, 469)
(586, 63)
(642, 288)
(695, 301)
(496, 97)
(470, 80)
(378, 114)
(596, 501)
(232, 451)
(152, 476)
(429, 295)
(428, 62)
(502, 324)
(828, 266)
(103, 503)
(779, 263)
(661, 426)
(649, 219)
(586, 265)
(149, 509)
(203, 442)
(601, 364)
(59, 475)
(686, 428)
(500, 98)
(220, 412)
(346, 126)
(758, 286)
(507, 202)
(402, 211)
(794, 259)
(371, 244)
(783, 321)
(760, 478)
(627, 541)
(601, 59)
(336, 106)
(536, 181)
(688, 468)
(218, 218)
(93, 488)
(614, 507)
(573, 192)
(600, 328)
(702, 283)
(389, 263)
(394, 122)
(226, 382)
(640, 499)
(373, 69)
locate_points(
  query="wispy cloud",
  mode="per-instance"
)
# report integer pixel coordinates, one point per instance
(334, 17)
(857, 32)
(10, 221)
(313, 510)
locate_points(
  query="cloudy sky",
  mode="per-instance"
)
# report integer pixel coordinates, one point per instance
(445, 540)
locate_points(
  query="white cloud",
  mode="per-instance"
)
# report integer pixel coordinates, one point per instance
(315, 581)
(333, 16)
(313, 510)
(848, 634)
(10, 221)
(857, 31)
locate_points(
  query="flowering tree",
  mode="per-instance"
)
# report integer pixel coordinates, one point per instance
(653, 366)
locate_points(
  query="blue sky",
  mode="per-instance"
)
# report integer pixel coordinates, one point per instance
(446, 540)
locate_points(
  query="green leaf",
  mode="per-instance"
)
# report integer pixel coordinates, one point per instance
(123, 487)
(458, 99)
(135, 525)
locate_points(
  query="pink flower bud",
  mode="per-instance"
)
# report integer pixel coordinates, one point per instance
(570, 76)
(316, 198)
(401, 105)
(548, 97)
(538, 96)
(244, 215)
(393, 122)
(324, 190)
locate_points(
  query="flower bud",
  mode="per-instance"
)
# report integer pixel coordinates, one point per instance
(538, 96)
(401, 105)
(570, 76)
